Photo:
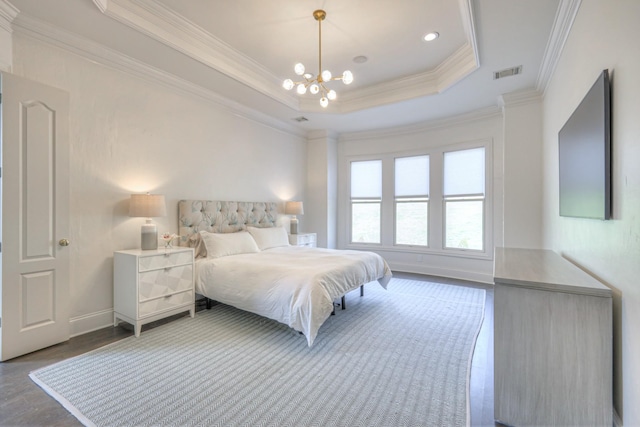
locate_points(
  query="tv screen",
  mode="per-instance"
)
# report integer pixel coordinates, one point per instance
(585, 155)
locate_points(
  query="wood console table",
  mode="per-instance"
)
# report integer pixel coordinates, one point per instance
(552, 342)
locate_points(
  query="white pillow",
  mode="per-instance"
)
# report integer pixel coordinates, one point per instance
(224, 244)
(271, 237)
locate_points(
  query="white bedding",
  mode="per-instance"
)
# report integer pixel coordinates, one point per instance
(293, 285)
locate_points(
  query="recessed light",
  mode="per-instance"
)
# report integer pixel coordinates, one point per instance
(431, 36)
(360, 59)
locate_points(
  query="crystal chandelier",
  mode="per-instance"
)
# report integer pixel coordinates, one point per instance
(316, 84)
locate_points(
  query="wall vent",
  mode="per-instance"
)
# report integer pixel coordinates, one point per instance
(301, 119)
(513, 71)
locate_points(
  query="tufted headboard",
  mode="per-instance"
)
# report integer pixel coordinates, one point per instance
(223, 217)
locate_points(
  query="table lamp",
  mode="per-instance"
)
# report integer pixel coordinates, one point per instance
(148, 206)
(293, 209)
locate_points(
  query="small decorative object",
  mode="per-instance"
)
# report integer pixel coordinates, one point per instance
(168, 238)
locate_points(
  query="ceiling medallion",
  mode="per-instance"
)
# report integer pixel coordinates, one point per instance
(316, 84)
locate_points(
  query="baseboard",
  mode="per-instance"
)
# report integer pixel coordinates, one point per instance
(473, 276)
(90, 322)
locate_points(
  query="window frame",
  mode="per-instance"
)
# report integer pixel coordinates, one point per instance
(465, 197)
(364, 200)
(411, 198)
(436, 215)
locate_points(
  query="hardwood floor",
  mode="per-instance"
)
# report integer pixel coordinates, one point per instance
(23, 403)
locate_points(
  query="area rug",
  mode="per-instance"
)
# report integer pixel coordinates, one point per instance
(399, 357)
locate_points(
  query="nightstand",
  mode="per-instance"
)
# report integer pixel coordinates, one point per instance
(149, 285)
(303, 239)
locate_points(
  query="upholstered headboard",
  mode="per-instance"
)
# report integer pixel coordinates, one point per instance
(223, 217)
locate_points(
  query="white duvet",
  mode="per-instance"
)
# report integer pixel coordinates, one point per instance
(293, 285)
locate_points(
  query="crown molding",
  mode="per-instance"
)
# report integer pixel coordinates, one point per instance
(322, 135)
(460, 64)
(477, 115)
(164, 25)
(565, 16)
(456, 67)
(520, 97)
(468, 23)
(8, 13)
(33, 28)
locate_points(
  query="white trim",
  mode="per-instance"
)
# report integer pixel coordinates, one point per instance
(8, 13)
(459, 65)
(473, 276)
(567, 11)
(90, 322)
(39, 30)
(159, 22)
(163, 24)
(517, 98)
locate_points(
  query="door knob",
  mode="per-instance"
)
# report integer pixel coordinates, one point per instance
(64, 242)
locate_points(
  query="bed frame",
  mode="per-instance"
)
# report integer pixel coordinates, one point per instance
(227, 217)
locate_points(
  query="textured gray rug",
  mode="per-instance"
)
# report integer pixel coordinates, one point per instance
(394, 358)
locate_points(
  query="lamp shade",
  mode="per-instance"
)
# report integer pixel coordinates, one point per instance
(147, 205)
(293, 208)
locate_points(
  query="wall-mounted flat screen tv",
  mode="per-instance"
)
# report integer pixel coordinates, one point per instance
(585, 155)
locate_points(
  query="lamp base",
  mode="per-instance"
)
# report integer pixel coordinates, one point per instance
(149, 236)
(294, 225)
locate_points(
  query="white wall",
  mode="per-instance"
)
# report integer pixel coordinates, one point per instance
(522, 186)
(129, 135)
(320, 204)
(605, 34)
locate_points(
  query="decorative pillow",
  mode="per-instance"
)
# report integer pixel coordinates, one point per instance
(199, 249)
(224, 244)
(271, 237)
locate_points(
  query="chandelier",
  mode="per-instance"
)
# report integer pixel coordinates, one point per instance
(316, 84)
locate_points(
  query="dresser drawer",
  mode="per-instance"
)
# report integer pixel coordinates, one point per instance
(168, 302)
(303, 239)
(161, 261)
(165, 281)
(306, 239)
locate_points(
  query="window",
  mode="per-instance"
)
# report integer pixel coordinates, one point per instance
(434, 200)
(463, 199)
(412, 200)
(366, 201)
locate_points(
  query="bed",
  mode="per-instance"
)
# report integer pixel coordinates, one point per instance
(243, 259)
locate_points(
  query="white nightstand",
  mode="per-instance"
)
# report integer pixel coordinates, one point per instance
(152, 284)
(303, 239)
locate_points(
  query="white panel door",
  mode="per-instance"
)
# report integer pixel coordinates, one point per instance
(35, 217)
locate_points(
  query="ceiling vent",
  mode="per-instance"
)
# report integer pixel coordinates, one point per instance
(513, 71)
(301, 119)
